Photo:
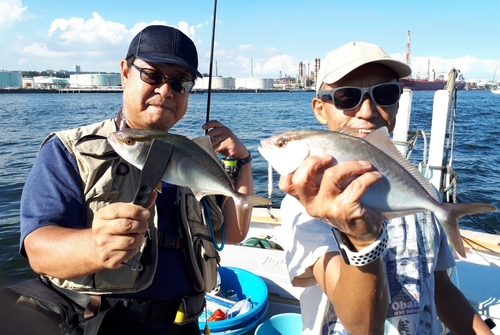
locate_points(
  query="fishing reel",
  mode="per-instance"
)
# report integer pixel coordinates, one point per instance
(231, 167)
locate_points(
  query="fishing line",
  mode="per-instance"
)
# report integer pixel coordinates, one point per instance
(211, 65)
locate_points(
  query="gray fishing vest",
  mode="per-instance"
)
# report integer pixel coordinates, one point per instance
(106, 179)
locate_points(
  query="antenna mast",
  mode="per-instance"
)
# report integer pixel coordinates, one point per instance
(408, 50)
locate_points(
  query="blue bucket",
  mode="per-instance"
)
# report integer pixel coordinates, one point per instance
(246, 285)
(281, 324)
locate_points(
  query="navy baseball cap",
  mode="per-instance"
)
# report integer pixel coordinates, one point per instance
(162, 44)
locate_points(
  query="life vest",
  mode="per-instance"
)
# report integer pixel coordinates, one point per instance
(106, 179)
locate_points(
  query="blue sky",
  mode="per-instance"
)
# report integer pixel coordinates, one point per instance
(272, 35)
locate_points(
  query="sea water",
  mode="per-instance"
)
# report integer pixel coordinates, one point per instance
(27, 119)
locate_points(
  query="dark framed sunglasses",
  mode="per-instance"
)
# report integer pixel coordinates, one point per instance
(155, 78)
(349, 97)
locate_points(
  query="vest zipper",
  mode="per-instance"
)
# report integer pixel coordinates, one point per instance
(203, 215)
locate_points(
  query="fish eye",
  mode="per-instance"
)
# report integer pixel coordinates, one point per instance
(280, 143)
(129, 141)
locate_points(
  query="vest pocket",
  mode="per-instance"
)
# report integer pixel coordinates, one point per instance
(200, 252)
(207, 259)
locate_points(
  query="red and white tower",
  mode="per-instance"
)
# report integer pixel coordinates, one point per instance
(408, 53)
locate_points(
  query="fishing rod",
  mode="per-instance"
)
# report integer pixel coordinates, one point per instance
(206, 330)
(211, 65)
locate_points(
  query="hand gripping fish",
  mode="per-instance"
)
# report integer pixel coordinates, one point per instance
(403, 190)
(193, 164)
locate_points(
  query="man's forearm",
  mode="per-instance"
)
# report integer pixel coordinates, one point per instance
(244, 185)
(62, 252)
(361, 298)
(455, 311)
(359, 294)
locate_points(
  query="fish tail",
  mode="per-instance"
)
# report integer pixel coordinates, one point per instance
(450, 216)
(247, 201)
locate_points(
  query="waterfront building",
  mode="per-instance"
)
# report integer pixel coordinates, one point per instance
(10, 79)
(50, 82)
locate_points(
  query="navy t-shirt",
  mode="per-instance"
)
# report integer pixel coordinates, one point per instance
(53, 195)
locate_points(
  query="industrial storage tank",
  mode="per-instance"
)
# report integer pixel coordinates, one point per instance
(254, 83)
(218, 83)
(10, 79)
(95, 79)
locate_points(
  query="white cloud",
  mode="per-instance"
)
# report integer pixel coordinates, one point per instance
(246, 47)
(96, 29)
(271, 50)
(11, 11)
(284, 63)
(141, 25)
(41, 50)
(269, 68)
(189, 30)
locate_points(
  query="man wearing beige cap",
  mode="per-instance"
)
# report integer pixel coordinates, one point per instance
(358, 87)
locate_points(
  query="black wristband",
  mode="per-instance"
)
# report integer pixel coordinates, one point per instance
(245, 160)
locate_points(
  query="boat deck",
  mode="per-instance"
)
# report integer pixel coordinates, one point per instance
(476, 276)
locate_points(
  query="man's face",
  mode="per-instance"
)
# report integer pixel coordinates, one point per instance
(425, 324)
(149, 106)
(406, 326)
(367, 116)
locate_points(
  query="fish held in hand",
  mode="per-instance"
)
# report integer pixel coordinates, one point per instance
(193, 164)
(402, 191)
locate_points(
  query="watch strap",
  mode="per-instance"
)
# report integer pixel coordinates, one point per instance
(366, 255)
(245, 160)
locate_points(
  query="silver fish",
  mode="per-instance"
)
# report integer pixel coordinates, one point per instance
(193, 164)
(403, 190)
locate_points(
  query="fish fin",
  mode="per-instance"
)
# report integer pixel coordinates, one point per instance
(205, 143)
(393, 215)
(380, 139)
(347, 130)
(198, 194)
(159, 187)
(449, 220)
(247, 201)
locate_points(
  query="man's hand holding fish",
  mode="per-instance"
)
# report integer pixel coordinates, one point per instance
(133, 267)
(333, 193)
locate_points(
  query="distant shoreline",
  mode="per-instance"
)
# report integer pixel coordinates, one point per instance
(115, 90)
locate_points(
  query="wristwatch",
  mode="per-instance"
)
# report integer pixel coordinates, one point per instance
(245, 160)
(366, 255)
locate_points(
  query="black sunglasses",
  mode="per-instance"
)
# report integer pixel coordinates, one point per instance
(155, 78)
(349, 97)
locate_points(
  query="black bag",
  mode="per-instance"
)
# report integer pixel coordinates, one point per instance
(200, 252)
(37, 295)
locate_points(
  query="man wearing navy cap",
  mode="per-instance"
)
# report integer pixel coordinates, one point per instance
(79, 227)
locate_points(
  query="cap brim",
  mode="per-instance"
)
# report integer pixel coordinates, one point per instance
(171, 60)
